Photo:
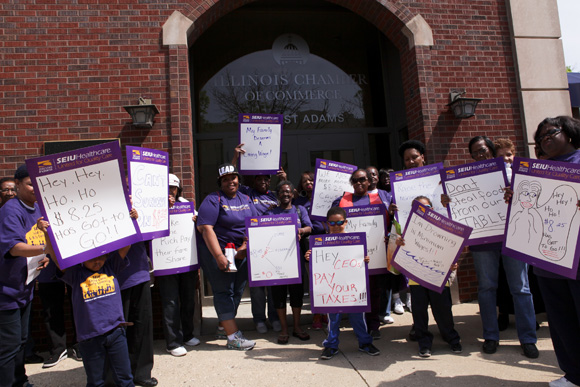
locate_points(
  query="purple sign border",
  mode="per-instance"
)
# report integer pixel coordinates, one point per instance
(334, 309)
(542, 264)
(33, 170)
(412, 174)
(129, 151)
(292, 220)
(500, 166)
(347, 167)
(465, 234)
(179, 208)
(275, 119)
(372, 210)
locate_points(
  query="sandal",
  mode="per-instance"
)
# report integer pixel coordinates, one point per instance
(301, 335)
(282, 339)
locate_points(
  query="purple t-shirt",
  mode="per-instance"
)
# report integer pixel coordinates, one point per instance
(303, 219)
(317, 226)
(17, 225)
(96, 297)
(262, 202)
(573, 157)
(138, 270)
(227, 216)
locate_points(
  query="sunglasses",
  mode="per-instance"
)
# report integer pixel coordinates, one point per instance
(339, 223)
(359, 180)
(550, 133)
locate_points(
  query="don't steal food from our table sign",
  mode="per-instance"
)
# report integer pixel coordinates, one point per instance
(543, 225)
(261, 135)
(409, 183)
(177, 252)
(331, 180)
(83, 195)
(338, 274)
(148, 171)
(433, 244)
(273, 250)
(476, 193)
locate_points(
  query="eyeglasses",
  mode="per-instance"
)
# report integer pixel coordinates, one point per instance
(339, 223)
(550, 133)
(359, 180)
(5, 190)
(482, 151)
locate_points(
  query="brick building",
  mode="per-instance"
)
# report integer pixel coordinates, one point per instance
(354, 78)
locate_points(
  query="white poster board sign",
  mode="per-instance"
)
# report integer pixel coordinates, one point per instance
(261, 135)
(331, 181)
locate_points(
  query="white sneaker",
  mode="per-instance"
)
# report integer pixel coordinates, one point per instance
(177, 352)
(562, 382)
(240, 343)
(408, 303)
(261, 327)
(276, 326)
(193, 342)
(388, 320)
(398, 307)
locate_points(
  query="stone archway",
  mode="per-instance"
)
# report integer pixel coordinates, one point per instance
(408, 31)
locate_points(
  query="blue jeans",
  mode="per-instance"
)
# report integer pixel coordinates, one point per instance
(112, 348)
(227, 287)
(487, 269)
(258, 297)
(358, 324)
(13, 336)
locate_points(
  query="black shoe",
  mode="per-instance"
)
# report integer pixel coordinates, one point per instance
(34, 359)
(490, 346)
(328, 353)
(375, 334)
(75, 353)
(530, 350)
(412, 334)
(369, 349)
(54, 359)
(456, 348)
(503, 320)
(151, 382)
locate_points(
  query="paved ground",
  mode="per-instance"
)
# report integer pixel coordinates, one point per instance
(297, 363)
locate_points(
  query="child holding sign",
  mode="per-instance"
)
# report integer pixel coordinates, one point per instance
(98, 313)
(336, 219)
(440, 307)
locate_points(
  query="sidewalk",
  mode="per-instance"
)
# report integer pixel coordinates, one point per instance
(297, 363)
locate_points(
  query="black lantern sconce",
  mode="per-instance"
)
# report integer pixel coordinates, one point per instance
(143, 113)
(462, 107)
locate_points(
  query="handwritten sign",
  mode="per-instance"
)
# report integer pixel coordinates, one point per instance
(410, 183)
(149, 186)
(433, 244)
(331, 180)
(372, 221)
(273, 250)
(261, 135)
(82, 195)
(176, 253)
(338, 274)
(476, 192)
(543, 221)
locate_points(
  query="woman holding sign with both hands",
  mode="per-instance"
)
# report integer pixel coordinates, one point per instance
(486, 261)
(559, 139)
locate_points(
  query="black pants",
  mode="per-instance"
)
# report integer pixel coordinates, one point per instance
(441, 309)
(138, 310)
(53, 295)
(376, 284)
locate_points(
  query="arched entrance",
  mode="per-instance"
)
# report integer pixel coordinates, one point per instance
(340, 89)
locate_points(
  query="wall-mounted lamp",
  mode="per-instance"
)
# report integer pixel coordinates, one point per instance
(462, 107)
(143, 113)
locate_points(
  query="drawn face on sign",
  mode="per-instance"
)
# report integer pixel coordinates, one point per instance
(528, 193)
